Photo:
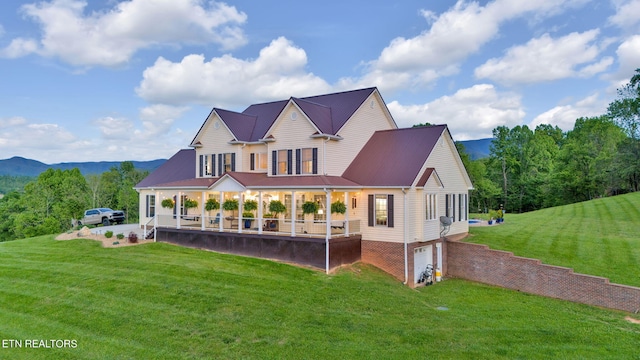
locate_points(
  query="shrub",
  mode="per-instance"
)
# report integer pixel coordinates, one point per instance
(120, 236)
(230, 205)
(108, 234)
(250, 205)
(247, 215)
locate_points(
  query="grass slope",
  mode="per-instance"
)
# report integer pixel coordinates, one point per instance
(598, 237)
(159, 301)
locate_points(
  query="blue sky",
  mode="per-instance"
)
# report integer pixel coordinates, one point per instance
(134, 80)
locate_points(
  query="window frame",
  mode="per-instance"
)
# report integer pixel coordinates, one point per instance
(431, 206)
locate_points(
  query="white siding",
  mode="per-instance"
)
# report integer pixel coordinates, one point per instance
(369, 118)
(294, 134)
(453, 176)
(379, 232)
(215, 140)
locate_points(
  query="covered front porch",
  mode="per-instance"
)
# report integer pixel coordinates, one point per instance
(273, 212)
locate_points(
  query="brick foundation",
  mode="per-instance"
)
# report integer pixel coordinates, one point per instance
(479, 263)
(390, 257)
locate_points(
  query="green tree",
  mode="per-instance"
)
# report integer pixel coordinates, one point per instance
(588, 159)
(626, 112)
(50, 203)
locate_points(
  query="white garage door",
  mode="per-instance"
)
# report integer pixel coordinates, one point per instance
(422, 257)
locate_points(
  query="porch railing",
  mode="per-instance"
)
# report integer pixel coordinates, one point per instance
(301, 228)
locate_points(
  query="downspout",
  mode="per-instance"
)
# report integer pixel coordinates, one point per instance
(404, 237)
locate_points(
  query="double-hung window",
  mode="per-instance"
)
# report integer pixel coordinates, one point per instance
(380, 211)
(151, 205)
(281, 162)
(226, 163)
(307, 161)
(258, 161)
(431, 206)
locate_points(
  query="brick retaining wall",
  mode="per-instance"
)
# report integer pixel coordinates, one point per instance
(480, 263)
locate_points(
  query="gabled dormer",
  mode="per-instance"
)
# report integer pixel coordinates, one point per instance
(298, 136)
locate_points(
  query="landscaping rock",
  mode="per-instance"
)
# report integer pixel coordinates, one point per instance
(84, 232)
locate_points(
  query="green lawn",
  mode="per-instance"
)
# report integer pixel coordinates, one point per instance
(159, 301)
(599, 237)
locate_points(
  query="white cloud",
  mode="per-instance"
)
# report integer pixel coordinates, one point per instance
(564, 116)
(226, 81)
(470, 113)
(628, 59)
(116, 139)
(157, 119)
(110, 38)
(627, 14)
(451, 38)
(546, 59)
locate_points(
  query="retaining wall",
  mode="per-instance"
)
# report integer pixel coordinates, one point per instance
(480, 263)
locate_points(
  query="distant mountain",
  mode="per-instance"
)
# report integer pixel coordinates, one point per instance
(19, 166)
(477, 149)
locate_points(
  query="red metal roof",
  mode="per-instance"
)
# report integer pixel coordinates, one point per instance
(180, 166)
(393, 157)
(261, 180)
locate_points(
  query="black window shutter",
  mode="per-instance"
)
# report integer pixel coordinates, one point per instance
(233, 161)
(252, 166)
(315, 161)
(201, 165)
(213, 164)
(148, 202)
(371, 210)
(298, 160)
(459, 206)
(446, 205)
(389, 210)
(453, 207)
(220, 164)
(274, 162)
(289, 161)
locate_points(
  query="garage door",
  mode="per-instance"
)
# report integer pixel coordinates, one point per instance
(422, 257)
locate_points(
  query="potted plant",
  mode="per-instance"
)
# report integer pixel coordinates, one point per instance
(212, 204)
(190, 203)
(167, 203)
(276, 207)
(230, 205)
(248, 218)
(338, 207)
(492, 215)
(310, 207)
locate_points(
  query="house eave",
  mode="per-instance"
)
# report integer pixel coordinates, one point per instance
(326, 136)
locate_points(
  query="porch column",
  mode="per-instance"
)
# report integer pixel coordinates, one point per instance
(260, 212)
(346, 213)
(240, 206)
(178, 212)
(155, 216)
(328, 229)
(202, 211)
(293, 213)
(221, 218)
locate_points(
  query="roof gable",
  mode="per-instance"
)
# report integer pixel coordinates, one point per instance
(394, 157)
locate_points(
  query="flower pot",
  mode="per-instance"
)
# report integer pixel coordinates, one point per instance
(247, 223)
(490, 222)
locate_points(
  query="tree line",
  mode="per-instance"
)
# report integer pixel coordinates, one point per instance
(534, 169)
(48, 203)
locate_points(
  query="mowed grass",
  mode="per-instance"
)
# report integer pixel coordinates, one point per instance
(158, 301)
(599, 237)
